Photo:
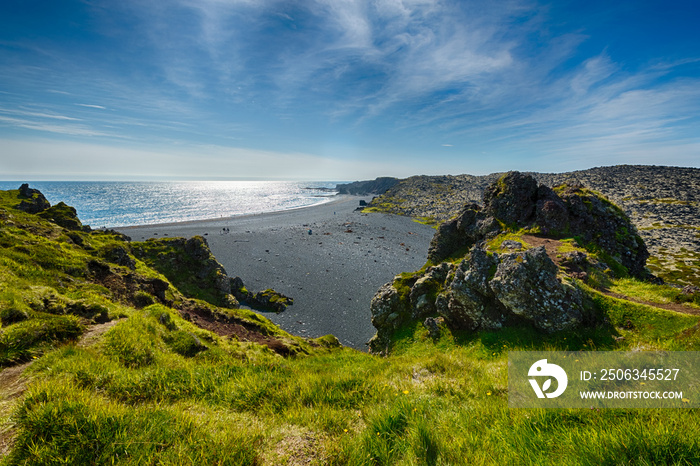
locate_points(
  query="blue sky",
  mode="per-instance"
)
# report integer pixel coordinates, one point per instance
(344, 90)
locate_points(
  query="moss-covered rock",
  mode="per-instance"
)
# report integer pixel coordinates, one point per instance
(267, 300)
(515, 202)
(65, 216)
(32, 200)
(189, 265)
(118, 254)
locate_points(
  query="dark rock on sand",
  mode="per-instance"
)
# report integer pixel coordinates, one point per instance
(268, 300)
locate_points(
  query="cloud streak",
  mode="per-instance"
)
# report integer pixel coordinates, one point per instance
(92, 106)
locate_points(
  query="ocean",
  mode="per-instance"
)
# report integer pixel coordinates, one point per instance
(124, 203)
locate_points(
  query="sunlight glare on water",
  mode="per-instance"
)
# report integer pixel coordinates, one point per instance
(125, 203)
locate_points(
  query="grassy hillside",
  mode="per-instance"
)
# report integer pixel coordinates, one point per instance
(108, 361)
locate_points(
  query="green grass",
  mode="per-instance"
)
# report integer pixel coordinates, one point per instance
(24, 340)
(653, 293)
(63, 424)
(496, 244)
(428, 403)
(157, 389)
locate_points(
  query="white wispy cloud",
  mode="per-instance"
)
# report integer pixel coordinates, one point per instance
(470, 72)
(37, 114)
(67, 129)
(92, 106)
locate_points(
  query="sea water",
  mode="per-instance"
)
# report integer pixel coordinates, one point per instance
(124, 203)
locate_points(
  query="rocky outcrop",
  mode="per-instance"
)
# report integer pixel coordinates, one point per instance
(493, 266)
(512, 199)
(525, 285)
(662, 202)
(484, 291)
(33, 201)
(599, 223)
(389, 313)
(190, 265)
(515, 201)
(471, 225)
(377, 186)
(64, 215)
(268, 300)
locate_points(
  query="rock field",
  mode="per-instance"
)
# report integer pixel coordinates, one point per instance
(662, 202)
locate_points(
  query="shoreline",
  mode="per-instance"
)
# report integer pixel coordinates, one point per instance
(330, 258)
(334, 199)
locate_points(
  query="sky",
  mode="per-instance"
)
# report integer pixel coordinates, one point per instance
(344, 90)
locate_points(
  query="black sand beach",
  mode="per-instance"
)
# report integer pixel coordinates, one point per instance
(331, 273)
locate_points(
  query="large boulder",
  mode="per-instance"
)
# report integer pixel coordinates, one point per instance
(527, 285)
(489, 289)
(425, 289)
(602, 224)
(551, 213)
(512, 198)
(466, 229)
(469, 302)
(388, 314)
(485, 291)
(33, 201)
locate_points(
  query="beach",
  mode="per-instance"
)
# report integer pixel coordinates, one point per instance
(330, 258)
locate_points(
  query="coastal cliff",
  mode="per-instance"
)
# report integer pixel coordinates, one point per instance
(86, 277)
(377, 186)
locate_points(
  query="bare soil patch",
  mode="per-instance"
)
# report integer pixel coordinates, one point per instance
(232, 327)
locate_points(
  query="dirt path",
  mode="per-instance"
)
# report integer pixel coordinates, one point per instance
(13, 384)
(668, 306)
(230, 326)
(552, 246)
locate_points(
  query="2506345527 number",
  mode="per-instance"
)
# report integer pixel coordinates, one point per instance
(636, 374)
